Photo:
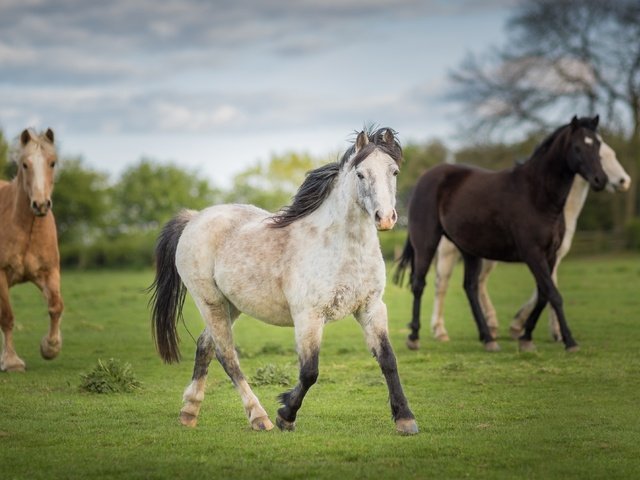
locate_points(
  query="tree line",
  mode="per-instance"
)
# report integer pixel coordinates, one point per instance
(114, 223)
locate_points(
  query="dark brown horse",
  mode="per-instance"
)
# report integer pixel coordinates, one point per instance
(513, 215)
(28, 241)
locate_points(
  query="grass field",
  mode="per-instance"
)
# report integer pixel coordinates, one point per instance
(507, 415)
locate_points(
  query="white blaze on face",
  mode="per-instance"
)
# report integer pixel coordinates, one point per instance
(617, 178)
(588, 140)
(38, 164)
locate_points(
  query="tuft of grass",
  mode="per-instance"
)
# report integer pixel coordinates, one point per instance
(272, 374)
(111, 376)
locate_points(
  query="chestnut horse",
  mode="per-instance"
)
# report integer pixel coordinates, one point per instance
(513, 215)
(29, 242)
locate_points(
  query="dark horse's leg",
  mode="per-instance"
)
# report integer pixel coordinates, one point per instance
(472, 268)
(374, 324)
(547, 291)
(308, 338)
(425, 243)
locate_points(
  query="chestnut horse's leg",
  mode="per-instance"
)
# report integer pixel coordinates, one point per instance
(308, 337)
(373, 320)
(472, 267)
(50, 286)
(9, 361)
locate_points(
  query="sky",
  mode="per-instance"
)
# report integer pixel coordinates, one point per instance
(216, 86)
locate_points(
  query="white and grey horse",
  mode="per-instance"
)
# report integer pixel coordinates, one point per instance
(315, 261)
(448, 255)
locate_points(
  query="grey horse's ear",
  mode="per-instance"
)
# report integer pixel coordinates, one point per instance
(25, 137)
(361, 141)
(49, 134)
(388, 136)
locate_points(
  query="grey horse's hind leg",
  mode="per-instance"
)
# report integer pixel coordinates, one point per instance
(219, 318)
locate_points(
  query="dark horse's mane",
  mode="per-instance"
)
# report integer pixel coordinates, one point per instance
(544, 146)
(319, 182)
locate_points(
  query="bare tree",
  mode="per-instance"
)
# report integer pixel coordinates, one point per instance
(561, 58)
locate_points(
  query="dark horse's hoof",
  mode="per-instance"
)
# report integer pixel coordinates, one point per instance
(406, 426)
(285, 425)
(572, 348)
(413, 344)
(526, 346)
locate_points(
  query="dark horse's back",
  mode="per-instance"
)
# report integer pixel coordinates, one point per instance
(475, 217)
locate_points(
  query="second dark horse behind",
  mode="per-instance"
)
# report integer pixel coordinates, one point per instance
(513, 215)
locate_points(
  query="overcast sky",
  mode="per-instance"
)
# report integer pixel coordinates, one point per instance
(218, 85)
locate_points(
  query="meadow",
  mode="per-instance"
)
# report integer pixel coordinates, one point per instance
(546, 414)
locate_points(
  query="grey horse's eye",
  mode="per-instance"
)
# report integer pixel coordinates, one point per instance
(360, 175)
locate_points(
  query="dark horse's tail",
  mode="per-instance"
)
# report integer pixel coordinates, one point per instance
(405, 260)
(168, 290)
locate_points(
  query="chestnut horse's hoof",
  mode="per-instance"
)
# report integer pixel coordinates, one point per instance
(285, 425)
(261, 423)
(188, 419)
(526, 346)
(14, 364)
(406, 426)
(491, 346)
(413, 344)
(49, 349)
(573, 348)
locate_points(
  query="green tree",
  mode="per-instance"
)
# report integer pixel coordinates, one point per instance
(149, 193)
(273, 185)
(82, 200)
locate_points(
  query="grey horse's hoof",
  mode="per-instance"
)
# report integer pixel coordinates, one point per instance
(261, 423)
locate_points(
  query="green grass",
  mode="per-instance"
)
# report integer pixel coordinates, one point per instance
(507, 415)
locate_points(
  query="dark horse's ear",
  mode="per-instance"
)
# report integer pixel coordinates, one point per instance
(574, 122)
(25, 137)
(388, 137)
(594, 121)
(361, 141)
(49, 134)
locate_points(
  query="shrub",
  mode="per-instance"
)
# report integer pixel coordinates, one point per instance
(110, 377)
(271, 375)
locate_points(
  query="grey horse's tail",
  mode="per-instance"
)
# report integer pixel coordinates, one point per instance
(405, 260)
(168, 291)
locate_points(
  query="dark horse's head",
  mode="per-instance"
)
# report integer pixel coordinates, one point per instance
(583, 154)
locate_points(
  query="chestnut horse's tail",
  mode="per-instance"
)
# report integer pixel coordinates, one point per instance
(168, 290)
(405, 260)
